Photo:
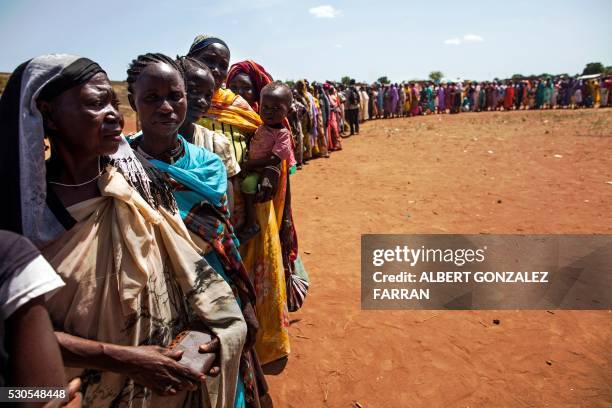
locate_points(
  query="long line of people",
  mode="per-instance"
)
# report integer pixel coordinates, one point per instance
(324, 113)
(180, 235)
(429, 97)
(184, 229)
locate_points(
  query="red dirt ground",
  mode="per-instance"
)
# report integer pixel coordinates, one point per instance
(445, 174)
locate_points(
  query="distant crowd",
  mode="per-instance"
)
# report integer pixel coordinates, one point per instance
(323, 113)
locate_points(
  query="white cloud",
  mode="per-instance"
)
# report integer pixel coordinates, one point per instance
(468, 38)
(325, 11)
(472, 38)
(453, 41)
(338, 45)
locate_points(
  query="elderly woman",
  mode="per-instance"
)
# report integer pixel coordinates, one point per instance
(109, 226)
(262, 256)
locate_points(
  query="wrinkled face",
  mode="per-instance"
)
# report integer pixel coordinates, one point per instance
(200, 89)
(216, 57)
(241, 84)
(160, 99)
(274, 106)
(85, 119)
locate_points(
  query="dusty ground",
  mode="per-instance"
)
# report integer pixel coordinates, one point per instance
(445, 174)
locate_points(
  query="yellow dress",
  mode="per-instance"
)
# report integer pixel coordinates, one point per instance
(262, 256)
(263, 259)
(596, 93)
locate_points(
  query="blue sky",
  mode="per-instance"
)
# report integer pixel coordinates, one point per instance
(325, 39)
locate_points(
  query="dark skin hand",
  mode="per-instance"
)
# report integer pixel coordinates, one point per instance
(75, 398)
(213, 346)
(152, 366)
(83, 123)
(216, 57)
(253, 164)
(241, 85)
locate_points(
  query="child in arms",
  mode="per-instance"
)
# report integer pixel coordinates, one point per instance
(270, 145)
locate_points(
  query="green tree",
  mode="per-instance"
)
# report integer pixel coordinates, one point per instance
(384, 80)
(345, 80)
(436, 75)
(517, 76)
(593, 68)
(608, 71)
(290, 83)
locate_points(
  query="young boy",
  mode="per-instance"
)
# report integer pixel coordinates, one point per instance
(269, 146)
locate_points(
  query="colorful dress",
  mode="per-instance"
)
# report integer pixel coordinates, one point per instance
(415, 106)
(509, 98)
(261, 256)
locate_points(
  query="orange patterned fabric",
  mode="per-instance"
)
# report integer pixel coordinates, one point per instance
(232, 109)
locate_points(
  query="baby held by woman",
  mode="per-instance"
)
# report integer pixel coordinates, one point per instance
(271, 144)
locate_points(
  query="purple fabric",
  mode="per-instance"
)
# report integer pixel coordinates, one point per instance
(394, 98)
(441, 98)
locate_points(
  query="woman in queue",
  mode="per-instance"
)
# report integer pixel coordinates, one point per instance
(158, 89)
(109, 225)
(262, 255)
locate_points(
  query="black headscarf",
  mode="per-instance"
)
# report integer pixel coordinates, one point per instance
(203, 41)
(77, 73)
